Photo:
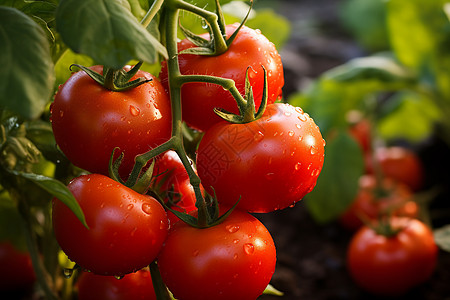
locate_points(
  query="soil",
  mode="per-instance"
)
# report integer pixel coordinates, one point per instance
(311, 257)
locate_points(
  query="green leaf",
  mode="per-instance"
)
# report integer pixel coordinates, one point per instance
(420, 37)
(337, 184)
(366, 20)
(26, 79)
(106, 31)
(414, 118)
(58, 190)
(68, 58)
(442, 237)
(376, 72)
(12, 227)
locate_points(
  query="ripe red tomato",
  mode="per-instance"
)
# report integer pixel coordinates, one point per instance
(249, 49)
(401, 164)
(16, 270)
(136, 286)
(126, 229)
(361, 131)
(270, 163)
(396, 200)
(232, 260)
(89, 121)
(392, 265)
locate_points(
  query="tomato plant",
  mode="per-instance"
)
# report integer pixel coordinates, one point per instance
(250, 49)
(391, 265)
(16, 270)
(232, 260)
(268, 164)
(136, 285)
(89, 120)
(126, 229)
(374, 201)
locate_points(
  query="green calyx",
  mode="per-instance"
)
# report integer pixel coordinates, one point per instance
(115, 80)
(218, 42)
(247, 109)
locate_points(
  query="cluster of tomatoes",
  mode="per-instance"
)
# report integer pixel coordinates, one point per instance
(391, 250)
(263, 165)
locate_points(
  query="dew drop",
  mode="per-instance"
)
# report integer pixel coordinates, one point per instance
(249, 248)
(134, 111)
(313, 150)
(299, 110)
(232, 228)
(258, 136)
(130, 206)
(235, 256)
(302, 117)
(147, 208)
(270, 176)
(298, 166)
(291, 133)
(287, 113)
(162, 225)
(67, 273)
(133, 231)
(236, 241)
(123, 118)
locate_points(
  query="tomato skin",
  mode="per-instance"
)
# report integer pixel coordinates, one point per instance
(270, 163)
(126, 229)
(233, 260)
(249, 49)
(397, 201)
(136, 285)
(402, 165)
(89, 121)
(392, 266)
(16, 270)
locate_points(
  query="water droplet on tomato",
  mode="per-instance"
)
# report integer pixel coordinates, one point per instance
(232, 228)
(249, 248)
(235, 241)
(258, 137)
(130, 206)
(270, 176)
(313, 150)
(235, 256)
(291, 133)
(162, 225)
(134, 111)
(133, 231)
(302, 117)
(61, 113)
(298, 166)
(147, 208)
(67, 273)
(123, 118)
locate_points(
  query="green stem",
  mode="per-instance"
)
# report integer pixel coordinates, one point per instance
(156, 6)
(227, 84)
(175, 83)
(220, 44)
(136, 9)
(42, 276)
(158, 284)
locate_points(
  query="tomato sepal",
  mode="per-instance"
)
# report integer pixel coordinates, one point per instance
(115, 80)
(247, 109)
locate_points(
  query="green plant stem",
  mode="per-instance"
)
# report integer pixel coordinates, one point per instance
(227, 84)
(220, 44)
(158, 284)
(175, 83)
(42, 276)
(156, 6)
